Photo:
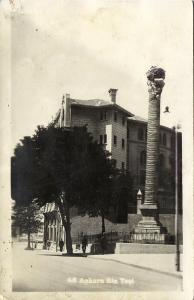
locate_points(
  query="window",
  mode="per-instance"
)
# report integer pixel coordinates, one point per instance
(160, 138)
(103, 115)
(105, 138)
(171, 161)
(172, 141)
(140, 134)
(123, 144)
(123, 165)
(123, 120)
(164, 139)
(53, 221)
(142, 177)
(101, 139)
(114, 162)
(127, 132)
(115, 116)
(143, 158)
(115, 140)
(54, 233)
(51, 234)
(161, 161)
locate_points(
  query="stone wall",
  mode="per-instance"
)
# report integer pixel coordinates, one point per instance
(134, 248)
(92, 225)
(136, 146)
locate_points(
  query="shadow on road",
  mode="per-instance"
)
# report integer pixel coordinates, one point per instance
(63, 254)
(140, 267)
(73, 254)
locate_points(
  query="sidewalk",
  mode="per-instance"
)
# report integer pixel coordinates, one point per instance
(160, 263)
(156, 262)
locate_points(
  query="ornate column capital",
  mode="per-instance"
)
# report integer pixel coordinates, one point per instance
(155, 81)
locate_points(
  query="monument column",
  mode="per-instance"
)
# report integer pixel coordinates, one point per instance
(149, 209)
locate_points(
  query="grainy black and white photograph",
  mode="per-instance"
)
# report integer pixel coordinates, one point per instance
(101, 116)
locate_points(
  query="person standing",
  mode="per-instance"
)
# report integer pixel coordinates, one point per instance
(84, 243)
(61, 245)
(103, 243)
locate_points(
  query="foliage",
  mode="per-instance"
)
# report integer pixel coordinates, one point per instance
(64, 166)
(22, 165)
(70, 161)
(27, 218)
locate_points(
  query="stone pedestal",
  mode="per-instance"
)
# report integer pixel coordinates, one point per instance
(149, 222)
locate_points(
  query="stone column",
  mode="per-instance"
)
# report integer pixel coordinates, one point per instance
(149, 210)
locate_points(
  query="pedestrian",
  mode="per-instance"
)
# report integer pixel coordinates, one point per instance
(103, 243)
(61, 245)
(84, 243)
(48, 245)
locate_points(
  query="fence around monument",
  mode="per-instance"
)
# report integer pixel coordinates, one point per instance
(126, 237)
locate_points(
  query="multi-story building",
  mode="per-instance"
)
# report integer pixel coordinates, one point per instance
(124, 135)
(136, 160)
(106, 121)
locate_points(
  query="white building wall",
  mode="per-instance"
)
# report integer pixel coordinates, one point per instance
(120, 131)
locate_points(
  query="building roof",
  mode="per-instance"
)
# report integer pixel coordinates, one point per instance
(142, 120)
(137, 118)
(99, 103)
(91, 102)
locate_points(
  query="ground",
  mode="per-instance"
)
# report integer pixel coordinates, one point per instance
(42, 270)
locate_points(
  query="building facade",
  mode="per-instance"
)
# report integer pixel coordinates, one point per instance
(124, 135)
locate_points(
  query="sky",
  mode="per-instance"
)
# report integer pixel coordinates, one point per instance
(86, 47)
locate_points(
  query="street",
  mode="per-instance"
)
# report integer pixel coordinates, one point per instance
(41, 270)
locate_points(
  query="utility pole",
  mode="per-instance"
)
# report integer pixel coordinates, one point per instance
(177, 201)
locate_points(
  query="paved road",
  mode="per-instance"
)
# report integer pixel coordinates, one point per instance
(39, 270)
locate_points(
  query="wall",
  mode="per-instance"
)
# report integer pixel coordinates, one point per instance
(81, 116)
(92, 225)
(119, 130)
(136, 146)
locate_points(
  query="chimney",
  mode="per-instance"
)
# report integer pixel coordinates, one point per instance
(67, 110)
(113, 93)
(65, 115)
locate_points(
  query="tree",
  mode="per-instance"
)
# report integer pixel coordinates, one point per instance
(25, 212)
(98, 197)
(109, 187)
(64, 166)
(22, 164)
(28, 219)
(121, 193)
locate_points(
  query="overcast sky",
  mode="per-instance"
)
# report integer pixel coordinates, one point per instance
(86, 47)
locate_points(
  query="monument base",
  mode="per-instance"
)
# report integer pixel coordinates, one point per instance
(149, 229)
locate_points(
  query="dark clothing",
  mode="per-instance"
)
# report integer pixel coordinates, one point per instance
(61, 244)
(84, 244)
(48, 245)
(103, 243)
